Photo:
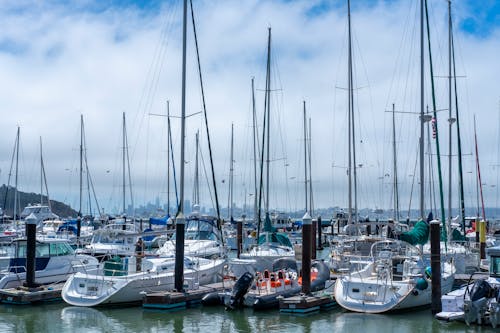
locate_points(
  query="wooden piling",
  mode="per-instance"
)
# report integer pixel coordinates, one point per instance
(306, 253)
(239, 237)
(436, 306)
(482, 239)
(30, 251)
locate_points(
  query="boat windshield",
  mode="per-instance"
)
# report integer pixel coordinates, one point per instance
(199, 230)
(275, 237)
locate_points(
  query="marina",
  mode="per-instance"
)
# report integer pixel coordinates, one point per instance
(346, 211)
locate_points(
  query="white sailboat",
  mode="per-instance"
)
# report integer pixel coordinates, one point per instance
(396, 278)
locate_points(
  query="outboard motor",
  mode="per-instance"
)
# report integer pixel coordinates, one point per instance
(494, 308)
(475, 306)
(240, 289)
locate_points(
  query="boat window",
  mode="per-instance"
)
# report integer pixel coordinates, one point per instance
(42, 250)
(60, 249)
(21, 249)
(495, 266)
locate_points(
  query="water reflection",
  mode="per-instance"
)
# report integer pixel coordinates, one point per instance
(63, 318)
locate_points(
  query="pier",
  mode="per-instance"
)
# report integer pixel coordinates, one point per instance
(24, 295)
(174, 300)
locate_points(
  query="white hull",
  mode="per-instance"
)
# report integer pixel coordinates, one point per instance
(98, 290)
(371, 295)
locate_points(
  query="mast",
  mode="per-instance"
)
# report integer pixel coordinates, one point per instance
(459, 140)
(16, 176)
(41, 173)
(479, 172)
(43, 178)
(231, 174)
(196, 194)
(353, 184)
(180, 221)
(81, 166)
(311, 202)
(268, 95)
(123, 164)
(254, 133)
(168, 158)
(305, 157)
(422, 107)
(450, 119)
(394, 166)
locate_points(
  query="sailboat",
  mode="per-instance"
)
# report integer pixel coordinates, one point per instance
(397, 275)
(270, 244)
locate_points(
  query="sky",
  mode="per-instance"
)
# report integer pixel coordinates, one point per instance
(99, 59)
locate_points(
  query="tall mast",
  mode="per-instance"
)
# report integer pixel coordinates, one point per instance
(231, 174)
(196, 196)
(81, 166)
(43, 179)
(254, 132)
(168, 158)
(268, 94)
(180, 221)
(450, 119)
(394, 166)
(459, 140)
(422, 107)
(41, 173)
(311, 202)
(123, 164)
(305, 158)
(352, 136)
(16, 176)
(479, 172)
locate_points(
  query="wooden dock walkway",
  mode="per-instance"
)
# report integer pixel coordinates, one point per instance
(23, 295)
(173, 300)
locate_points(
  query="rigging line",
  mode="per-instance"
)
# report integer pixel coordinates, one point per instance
(154, 72)
(10, 174)
(219, 222)
(459, 138)
(413, 182)
(84, 152)
(173, 163)
(203, 164)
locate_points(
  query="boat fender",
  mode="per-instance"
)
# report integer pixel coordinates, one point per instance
(211, 299)
(421, 284)
(428, 272)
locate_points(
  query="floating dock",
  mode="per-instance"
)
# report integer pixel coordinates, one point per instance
(24, 295)
(173, 300)
(302, 304)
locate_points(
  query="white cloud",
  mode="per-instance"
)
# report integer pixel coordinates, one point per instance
(56, 64)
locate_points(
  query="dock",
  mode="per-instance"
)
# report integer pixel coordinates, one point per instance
(174, 300)
(23, 295)
(303, 305)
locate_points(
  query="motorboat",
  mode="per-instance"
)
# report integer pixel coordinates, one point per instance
(478, 301)
(55, 261)
(121, 283)
(202, 239)
(263, 290)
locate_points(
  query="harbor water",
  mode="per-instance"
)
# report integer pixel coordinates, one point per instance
(59, 317)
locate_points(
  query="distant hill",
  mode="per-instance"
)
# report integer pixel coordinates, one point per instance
(25, 199)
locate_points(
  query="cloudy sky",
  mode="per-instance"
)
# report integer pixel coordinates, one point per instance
(60, 60)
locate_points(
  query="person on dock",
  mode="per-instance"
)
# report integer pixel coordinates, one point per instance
(139, 254)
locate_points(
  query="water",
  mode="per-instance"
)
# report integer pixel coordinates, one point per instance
(59, 317)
